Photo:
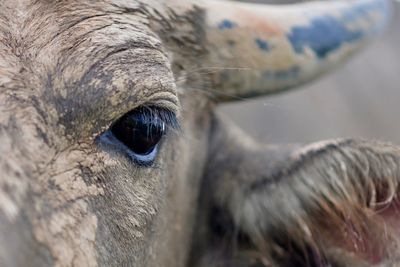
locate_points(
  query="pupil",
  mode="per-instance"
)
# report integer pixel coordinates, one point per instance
(140, 131)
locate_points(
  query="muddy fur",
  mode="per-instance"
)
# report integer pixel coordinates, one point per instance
(67, 71)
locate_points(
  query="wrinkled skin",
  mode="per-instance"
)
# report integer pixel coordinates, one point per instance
(68, 70)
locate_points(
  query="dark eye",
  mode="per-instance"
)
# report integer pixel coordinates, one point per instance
(140, 132)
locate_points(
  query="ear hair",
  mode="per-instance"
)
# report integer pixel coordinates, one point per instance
(327, 198)
(308, 207)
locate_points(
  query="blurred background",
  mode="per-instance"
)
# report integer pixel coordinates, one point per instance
(361, 99)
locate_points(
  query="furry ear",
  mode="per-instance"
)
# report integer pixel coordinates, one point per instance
(333, 203)
(256, 49)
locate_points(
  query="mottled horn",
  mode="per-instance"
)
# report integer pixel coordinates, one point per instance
(258, 49)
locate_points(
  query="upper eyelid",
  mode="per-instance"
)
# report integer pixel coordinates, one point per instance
(107, 104)
(167, 99)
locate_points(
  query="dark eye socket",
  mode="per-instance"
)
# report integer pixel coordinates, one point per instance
(139, 133)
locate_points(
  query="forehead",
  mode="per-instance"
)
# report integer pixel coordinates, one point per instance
(30, 27)
(74, 53)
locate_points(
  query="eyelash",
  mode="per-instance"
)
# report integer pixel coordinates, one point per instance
(152, 114)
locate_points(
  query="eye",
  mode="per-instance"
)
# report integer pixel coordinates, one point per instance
(140, 132)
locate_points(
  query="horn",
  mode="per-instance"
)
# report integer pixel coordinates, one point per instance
(260, 49)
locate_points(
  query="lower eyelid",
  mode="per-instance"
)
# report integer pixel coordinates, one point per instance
(144, 159)
(109, 140)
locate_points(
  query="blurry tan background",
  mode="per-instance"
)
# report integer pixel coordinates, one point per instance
(360, 99)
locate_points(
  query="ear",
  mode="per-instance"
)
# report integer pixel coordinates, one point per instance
(255, 49)
(331, 202)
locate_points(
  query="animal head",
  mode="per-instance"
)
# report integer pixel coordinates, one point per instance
(112, 153)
